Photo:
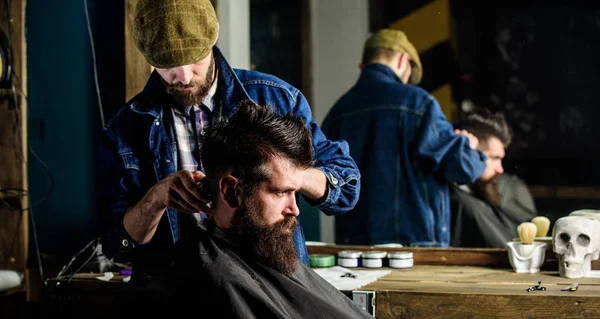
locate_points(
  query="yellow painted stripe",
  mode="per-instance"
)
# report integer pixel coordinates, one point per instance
(426, 26)
(444, 97)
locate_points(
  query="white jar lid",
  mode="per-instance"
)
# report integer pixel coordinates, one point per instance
(374, 254)
(349, 253)
(401, 255)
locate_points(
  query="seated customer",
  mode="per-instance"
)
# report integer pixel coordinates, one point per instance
(478, 219)
(516, 199)
(243, 262)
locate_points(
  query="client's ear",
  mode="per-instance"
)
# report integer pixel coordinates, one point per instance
(228, 186)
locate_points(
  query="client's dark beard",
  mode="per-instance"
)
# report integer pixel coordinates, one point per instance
(272, 245)
(192, 98)
(488, 191)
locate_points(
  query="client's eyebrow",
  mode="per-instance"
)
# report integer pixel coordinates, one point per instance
(282, 189)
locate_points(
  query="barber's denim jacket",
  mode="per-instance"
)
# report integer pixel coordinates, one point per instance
(138, 148)
(407, 153)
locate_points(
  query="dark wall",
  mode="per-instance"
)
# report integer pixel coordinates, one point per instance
(64, 118)
(537, 62)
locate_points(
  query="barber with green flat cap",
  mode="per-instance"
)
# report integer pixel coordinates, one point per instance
(150, 172)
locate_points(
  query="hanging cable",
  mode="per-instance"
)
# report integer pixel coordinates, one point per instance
(87, 19)
(35, 240)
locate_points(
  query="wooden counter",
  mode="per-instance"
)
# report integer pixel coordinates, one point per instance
(424, 291)
(475, 283)
(444, 283)
(431, 291)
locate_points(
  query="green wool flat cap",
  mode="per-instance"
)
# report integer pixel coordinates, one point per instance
(397, 41)
(172, 33)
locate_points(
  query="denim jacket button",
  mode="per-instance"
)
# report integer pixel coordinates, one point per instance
(333, 179)
(157, 123)
(125, 243)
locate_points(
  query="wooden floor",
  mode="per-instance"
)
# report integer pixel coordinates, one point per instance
(432, 291)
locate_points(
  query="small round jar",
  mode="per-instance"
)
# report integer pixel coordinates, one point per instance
(321, 260)
(401, 259)
(349, 258)
(373, 259)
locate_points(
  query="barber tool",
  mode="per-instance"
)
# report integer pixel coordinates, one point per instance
(373, 259)
(203, 189)
(348, 275)
(349, 258)
(527, 232)
(321, 260)
(401, 259)
(571, 287)
(537, 286)
(543, 225)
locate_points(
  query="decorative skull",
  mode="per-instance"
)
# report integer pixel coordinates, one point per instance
(576, 241)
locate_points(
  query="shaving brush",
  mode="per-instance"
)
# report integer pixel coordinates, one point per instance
(527, 232)
(543, 225)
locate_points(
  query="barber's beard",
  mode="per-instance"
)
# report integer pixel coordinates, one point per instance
(488, 191)
(272, 245)
(199, 92)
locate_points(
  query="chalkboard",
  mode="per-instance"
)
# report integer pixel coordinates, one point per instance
(539, 64)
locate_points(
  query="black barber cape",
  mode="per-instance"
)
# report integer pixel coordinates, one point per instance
(224, 282)
(477, 224)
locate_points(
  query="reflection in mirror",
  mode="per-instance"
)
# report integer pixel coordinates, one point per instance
(534, 64)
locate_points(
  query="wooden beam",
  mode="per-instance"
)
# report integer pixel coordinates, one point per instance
(13, 143)
(565, 192)
(137, 69)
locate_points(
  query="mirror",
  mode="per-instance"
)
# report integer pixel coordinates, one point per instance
(536, 63)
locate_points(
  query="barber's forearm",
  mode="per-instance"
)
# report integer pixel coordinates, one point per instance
(141, 220)
(315, 185)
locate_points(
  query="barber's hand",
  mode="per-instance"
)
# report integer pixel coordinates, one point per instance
(180, 191)
(314, 185)
(473, 140)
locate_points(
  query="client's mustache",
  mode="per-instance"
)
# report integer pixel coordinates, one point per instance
(287, 224)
